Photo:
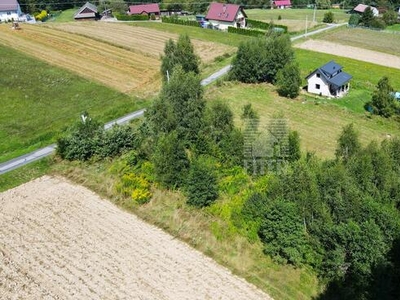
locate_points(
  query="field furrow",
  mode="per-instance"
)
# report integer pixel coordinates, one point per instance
(61, 241)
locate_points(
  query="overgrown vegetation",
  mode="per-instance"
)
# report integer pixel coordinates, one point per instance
(383, 101)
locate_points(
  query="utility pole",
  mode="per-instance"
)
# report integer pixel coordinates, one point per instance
(306, 24)
(315, 9)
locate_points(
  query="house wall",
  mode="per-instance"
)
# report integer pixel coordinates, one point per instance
(222, 25)
(9, 15)
(313, 81)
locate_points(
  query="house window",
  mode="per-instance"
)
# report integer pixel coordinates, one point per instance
(318, 75)
(317, 86)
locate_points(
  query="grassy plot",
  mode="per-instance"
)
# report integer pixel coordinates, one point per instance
(38, 101)
(395, 27)
(319, 125)
(65, 16)
(363, 38)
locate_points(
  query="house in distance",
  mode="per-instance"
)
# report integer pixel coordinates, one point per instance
(9, 10)
(145, 9)
(329, 80)
(360, 9)
(282, 4)
(87, 12)
(221, 16)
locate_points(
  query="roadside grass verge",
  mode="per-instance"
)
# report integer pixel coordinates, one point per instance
(39, 101)
(319, 123)
(25, 174)
(380, 41)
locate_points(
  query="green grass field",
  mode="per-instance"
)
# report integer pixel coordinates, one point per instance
(65, 16)
(363, 38)
(395, 27)
(295, 14)
(38, 101)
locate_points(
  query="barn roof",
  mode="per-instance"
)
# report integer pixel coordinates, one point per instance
(223, 12)
(88, 10)
(282, 3)
(144, 8)
(9, 5)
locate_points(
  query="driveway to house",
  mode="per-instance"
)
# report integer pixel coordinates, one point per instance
(46, 151)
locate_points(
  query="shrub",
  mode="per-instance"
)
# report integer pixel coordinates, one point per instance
(328, 17)
(42, 16)
(377, 23)
(201, 185)
(354, 20)
(135, 186)
(289, 80)
(390, 17)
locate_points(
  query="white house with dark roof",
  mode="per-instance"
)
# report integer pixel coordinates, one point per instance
(9, 10)
(222, 15)
(329, 80)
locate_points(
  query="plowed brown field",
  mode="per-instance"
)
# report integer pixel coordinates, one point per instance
(61, 241)
(122, 57)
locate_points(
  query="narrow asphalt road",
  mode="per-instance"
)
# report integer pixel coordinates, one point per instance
(46, 151)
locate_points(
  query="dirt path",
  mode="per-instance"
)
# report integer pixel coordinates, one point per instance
(61, 241)
(374, 57)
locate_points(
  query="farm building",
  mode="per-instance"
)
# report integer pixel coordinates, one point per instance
(145, 9)
(9, 10)
(221, 16)
(87, 12)
(360, 8)
(282, 4)
(329, 80)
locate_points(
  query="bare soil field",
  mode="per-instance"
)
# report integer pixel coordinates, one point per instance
(374, 57)
(364, 38)
(144, 40)
(61, 241)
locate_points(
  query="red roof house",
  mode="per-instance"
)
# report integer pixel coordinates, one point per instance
(222, 15)
(282, 3)
(145, 9)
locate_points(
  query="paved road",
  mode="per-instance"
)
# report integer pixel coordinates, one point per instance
(46, 151)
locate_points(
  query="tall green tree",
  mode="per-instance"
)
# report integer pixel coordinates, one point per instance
(367, 17)
(180, 53)
(348, 143)
(383, 102)
(289, 80)
(170, 161)
(201, 184)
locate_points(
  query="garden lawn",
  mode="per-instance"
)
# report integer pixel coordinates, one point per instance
(39, 101)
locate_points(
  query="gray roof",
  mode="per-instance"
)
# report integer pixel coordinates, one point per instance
(9, 5)
(328, 70)
(88, 5)
(331, 68)
(340, 79)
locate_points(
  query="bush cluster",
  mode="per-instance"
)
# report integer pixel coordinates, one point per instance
(88, 139)
(42, 16)
(135, 186)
